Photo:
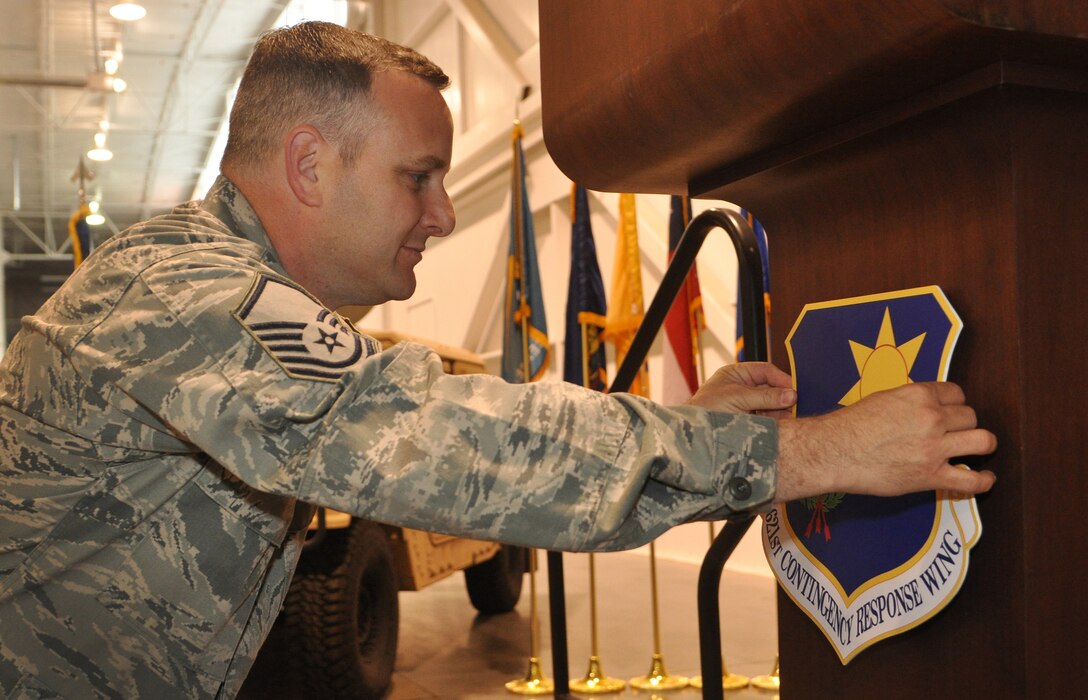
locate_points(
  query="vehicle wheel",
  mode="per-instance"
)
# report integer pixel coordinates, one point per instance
(341, 615)
(494, 586)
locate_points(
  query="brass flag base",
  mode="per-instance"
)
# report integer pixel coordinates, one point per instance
(534, 682)
(769, 682)
(595, 681)
(658, 678)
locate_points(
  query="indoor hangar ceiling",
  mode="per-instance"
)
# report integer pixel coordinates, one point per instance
(59, 60)
(178, 63)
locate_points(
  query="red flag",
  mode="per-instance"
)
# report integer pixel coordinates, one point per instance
(684, 321)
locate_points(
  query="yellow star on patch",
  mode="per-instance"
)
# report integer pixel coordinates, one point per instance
(885, 366)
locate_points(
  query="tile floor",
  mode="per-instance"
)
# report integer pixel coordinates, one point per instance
(447, 651)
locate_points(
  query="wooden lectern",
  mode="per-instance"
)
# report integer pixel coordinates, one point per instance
(888, 145)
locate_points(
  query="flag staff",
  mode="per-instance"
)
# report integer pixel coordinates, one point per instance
(534, 682)
(658, 678)
(595, 681)
(730, 681)
(628, 265)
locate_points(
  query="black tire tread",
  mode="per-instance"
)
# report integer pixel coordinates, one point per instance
(321, 613)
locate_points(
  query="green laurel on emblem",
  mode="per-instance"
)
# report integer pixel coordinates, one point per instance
(820, 507)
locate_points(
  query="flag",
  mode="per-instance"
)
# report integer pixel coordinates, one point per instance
(80, 233)
(684, 321)
(626, 310)
(525, 330)
(584, 360)
(761, 238)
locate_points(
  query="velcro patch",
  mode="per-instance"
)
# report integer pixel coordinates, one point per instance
(305, 338)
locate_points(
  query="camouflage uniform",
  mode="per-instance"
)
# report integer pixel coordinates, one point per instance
(168, 415)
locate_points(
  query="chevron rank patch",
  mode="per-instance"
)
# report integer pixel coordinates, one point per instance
(305, 338)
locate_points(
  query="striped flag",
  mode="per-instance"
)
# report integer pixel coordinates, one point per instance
(684, 322)
(626, 311)
(584, 361)
(525, 330)
(761, 238)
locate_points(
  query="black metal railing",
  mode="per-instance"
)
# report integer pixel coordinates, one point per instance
(750, 271)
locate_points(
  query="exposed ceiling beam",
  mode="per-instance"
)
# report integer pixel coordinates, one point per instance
(51, 81)
(42, 245)
(489, 35)
(426, 26)
(114, 129)
(45, 65)
(198, 32)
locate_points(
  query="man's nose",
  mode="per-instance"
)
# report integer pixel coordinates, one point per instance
(439, 218)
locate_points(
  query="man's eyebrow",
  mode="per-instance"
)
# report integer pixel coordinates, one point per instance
(426, 163)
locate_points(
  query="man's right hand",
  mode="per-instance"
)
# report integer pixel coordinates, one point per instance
(890, 443)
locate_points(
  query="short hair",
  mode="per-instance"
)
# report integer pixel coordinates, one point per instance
(313, 72)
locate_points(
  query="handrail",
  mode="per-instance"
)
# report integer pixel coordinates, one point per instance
(750, 271)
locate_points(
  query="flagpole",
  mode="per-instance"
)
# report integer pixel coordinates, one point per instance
(730, 681)
(534, 682)
(595, 681)
(658, 678)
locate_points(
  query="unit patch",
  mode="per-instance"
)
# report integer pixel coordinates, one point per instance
(864, 568)
(305, 338)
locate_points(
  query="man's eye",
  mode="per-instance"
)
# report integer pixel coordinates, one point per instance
(418, 179)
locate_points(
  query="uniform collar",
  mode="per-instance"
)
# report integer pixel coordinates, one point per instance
(226, 202)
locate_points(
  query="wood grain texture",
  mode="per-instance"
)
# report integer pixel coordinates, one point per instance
(647, 96)
(887, 146)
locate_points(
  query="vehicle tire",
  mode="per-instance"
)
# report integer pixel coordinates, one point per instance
(341, 615)
(494, 586)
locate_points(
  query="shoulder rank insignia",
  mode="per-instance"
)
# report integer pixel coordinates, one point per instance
(306, 339)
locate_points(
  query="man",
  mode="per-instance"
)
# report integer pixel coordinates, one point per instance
(171, 413)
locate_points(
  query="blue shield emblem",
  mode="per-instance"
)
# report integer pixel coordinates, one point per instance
(865, 568)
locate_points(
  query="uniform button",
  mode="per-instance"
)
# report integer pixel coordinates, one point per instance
(740, 488)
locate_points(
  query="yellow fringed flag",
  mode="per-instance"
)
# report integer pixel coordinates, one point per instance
(625, 310)
(80, 233)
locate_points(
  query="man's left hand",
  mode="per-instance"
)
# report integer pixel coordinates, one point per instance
(748, 387)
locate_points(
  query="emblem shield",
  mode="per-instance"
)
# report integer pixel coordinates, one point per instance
(864, 568)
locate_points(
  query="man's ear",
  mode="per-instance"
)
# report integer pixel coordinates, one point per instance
(304, 150)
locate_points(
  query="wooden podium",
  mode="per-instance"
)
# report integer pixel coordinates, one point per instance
(888, 145)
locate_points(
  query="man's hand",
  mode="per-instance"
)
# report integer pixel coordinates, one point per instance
(747, 387)
(890, 443)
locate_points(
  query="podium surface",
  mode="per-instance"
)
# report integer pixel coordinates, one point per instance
(884, 146)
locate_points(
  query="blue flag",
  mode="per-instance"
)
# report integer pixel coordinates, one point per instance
(80, 234)
(525, 330)
(761, 238)
(584, 361)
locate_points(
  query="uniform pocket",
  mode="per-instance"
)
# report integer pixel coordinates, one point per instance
(188, 585)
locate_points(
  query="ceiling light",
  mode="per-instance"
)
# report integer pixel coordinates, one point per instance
(95, 219)
(93, 205)
(118, 84)
(111, 65)
(128, 11)
(100, 139)
(100, 154)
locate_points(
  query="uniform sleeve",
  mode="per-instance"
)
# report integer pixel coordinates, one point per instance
(249, 369)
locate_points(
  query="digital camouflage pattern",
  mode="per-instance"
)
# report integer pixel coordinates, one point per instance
(168, 414)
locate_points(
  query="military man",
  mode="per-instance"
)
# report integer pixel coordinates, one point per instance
(171, 415)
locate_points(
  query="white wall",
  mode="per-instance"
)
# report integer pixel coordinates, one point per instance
(461, 279)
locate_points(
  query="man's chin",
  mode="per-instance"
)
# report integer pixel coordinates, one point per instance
(403, 292)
